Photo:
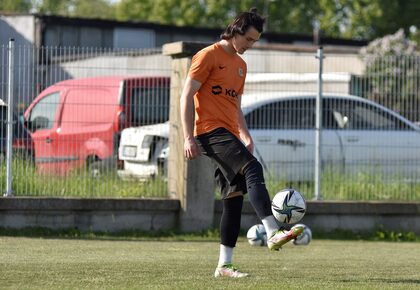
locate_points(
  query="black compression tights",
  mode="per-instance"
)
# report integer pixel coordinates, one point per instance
(257, 191)
(230, 222)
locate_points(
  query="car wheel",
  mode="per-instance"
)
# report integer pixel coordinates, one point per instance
(95, 168)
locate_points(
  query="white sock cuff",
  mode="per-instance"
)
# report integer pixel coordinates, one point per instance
(270, 225)
(225, 256)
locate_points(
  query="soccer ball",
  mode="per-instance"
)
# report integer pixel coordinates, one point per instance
(305, 237)
(257, 235)
(288, 206)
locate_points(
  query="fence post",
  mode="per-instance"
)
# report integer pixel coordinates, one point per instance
(318, 129)
(189, 181)
(10, 84)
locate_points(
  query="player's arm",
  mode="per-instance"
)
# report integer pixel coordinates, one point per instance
(191, 86)
(243, 130)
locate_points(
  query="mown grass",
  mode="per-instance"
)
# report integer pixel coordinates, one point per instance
(40, 263)
(211, 234)
(335, 186)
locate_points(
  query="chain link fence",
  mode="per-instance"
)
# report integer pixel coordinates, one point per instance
(90, 122)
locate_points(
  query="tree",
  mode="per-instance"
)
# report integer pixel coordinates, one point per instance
(360, 19)
(177, 12)
(93, 9)
(15, 5)
(368, 19)
(200, 13)
(76, 8)
(393, 73)
(53, 7)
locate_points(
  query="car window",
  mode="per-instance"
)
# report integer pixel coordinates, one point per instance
(149, 105)
(286, 114)
(43, 113)
(356, 115)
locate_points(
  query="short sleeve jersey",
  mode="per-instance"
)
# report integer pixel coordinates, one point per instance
(222, 78)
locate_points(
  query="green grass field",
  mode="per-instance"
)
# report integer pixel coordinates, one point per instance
(39, 263)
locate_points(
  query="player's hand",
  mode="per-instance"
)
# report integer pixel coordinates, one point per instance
(191, 150)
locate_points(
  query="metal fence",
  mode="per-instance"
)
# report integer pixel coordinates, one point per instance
(90, 122)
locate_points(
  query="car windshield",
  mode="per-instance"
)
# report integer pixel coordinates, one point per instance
(149, 105)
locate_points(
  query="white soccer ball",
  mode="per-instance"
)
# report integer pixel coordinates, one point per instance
(257, 236)
(288, 206)
(305, 237)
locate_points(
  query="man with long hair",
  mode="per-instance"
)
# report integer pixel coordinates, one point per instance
(213, 124)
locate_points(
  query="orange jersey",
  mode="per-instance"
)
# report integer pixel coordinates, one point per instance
(222, 78)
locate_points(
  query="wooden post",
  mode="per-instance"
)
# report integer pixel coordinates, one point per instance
(192, 181)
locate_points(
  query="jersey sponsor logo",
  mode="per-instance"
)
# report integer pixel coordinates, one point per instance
(231, 93)
(216, 90)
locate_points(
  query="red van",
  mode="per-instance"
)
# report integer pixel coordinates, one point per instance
(77, 122)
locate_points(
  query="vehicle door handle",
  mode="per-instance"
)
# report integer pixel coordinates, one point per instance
(48, 140)
(292, 143)
(352, 139)
(263, 138)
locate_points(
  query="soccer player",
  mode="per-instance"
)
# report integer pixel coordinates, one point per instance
(213, 124)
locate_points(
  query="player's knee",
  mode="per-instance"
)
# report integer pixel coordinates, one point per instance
(253, 173)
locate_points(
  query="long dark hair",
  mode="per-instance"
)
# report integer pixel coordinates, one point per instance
(243, 22)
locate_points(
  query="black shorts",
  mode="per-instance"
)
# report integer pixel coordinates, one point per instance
(230, 156)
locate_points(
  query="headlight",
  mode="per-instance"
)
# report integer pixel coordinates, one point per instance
(129, 151)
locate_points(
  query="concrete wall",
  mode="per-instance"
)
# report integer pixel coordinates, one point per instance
(113, 215)
(350, 215)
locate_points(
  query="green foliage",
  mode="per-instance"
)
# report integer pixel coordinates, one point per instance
(76, 8)
(384, 235)
(177, 12)
(53, 7)
(377, 235)
(360, 186)
(15, 5)
(93, 9)
(335, 186)
(28, 182)
(339, 18)
(74, 233)
(367, 19)
(392, 70)
(211, 234)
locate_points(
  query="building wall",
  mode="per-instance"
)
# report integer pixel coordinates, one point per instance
(21, 28)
